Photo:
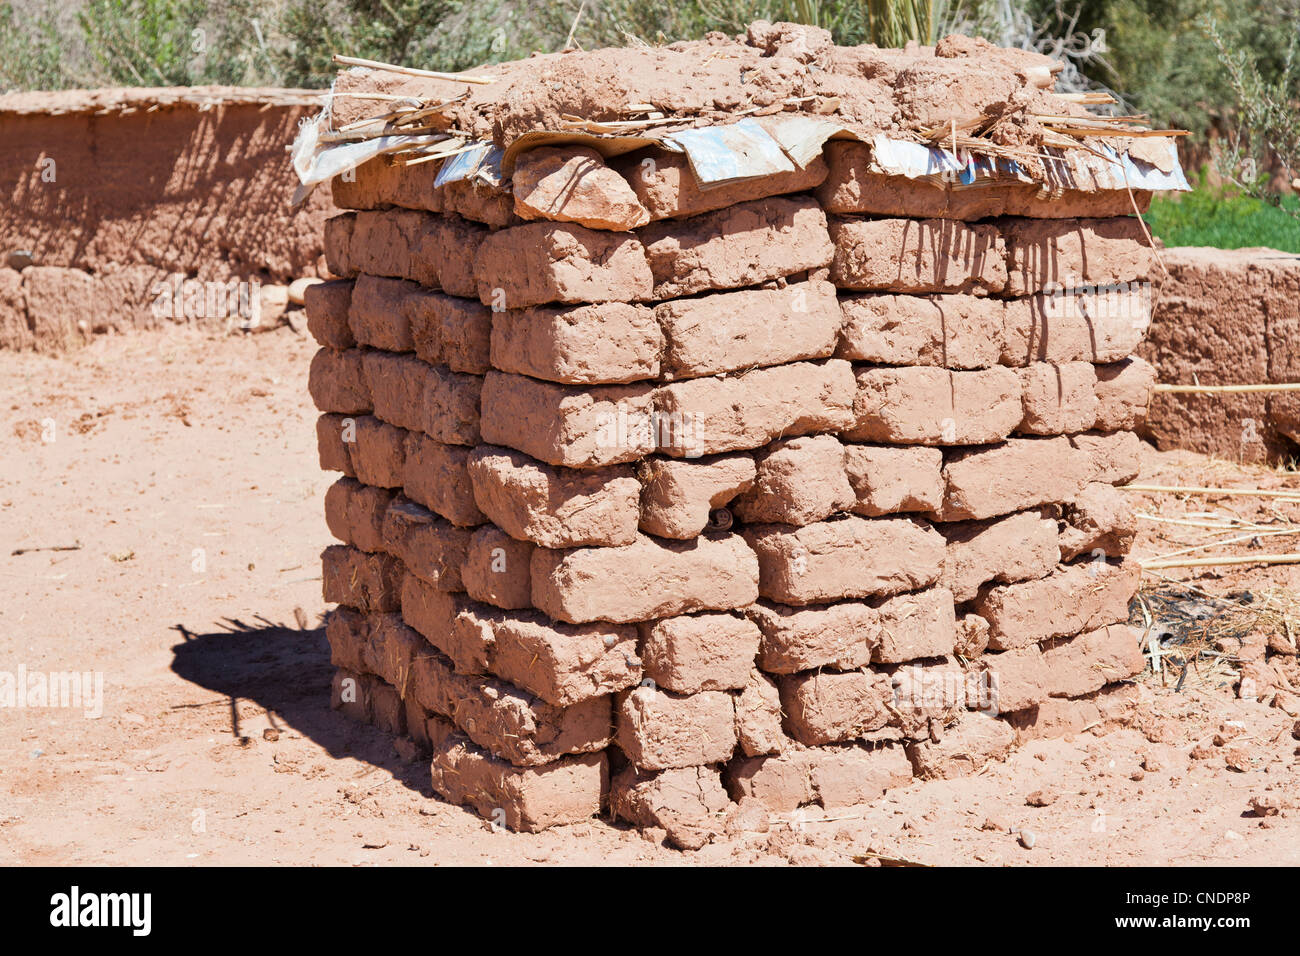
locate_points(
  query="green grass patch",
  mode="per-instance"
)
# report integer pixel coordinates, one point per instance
(1207, 217)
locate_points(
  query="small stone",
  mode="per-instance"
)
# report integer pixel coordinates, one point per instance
(1027, 839)
(1041, 798)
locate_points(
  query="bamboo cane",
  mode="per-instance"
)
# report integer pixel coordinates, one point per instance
(1293, 495)
(1153, 563)
(1228, 389)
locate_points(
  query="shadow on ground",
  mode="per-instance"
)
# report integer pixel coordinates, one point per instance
(286, 671)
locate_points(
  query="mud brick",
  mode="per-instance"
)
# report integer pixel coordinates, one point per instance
(542, 262)
(450, 331)
(414, 395)
(573, 184)
(916, 257)
(1020, 473)
(1098, 521)
(849, 558)
(437, 476)
(928, 690)
(338, 243)
(354, 513)
(528, 799)
(947, 331)
(964, 748)
(1093, 659)
(1124, 391)
(495, 569)
(699, 652)
(331, 445)
(667, 188)
(799, 481)
(934, 406)
(381, 182)
(327, 305)
(1018, 547)
(688, 803)
(1076, 325)
(367, 582)
(390, 649)
(568, 425)
(709, 415)
(914, 626)
(337, 383)
(1074, 598)
(1058, 399)
(1059, 716)
(612, 343)
(677, 496)
(378, 315)
(1015, 679)
(825, 707)
(742, 245)
(417, 724)
(453, 623)
(1111, 457)
(1046, 254)
(729, 331)
(387, 709)
(972, 636)
(350, 695)
(508, 722)
(644, 580)
(555, 507)
(429, 547)
(839, 776)
(658, 730)
(379, 453)
(758, 717)
(887, 479)
(564, 664)
(347, 634)
(839, 636)
(855, 184)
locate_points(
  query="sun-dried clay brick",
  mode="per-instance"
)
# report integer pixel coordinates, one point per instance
(658, 730)
(686, 802)
(555, 507)
(948, 331)
(1099, 656)
(563, 664)
(367, 582)
(964, 749)
(354, 513)
(917, 256)
(331, 446)
(678, 495)
(914, 626)
(668, 189)
(799, 481)
(428, 546)
(1123, 391)
(573, 184)
(1018, 474)
(327, 304)
(337, 382)
(840, 636)
(1058, 399)
(1076, 325)
(758, 717)
(1111, 457)
(825, 707)
(934, 406)
(610, 343)
(887, 479)
(496, 569)
(1074, 598)
(743, 245)
(691, 653)
(1069, 253)
(1099, 520)
(1017, 547)
(436, 475)
(378, 452)
(644, 580)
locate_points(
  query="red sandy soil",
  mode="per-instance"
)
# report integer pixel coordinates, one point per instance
(217, 744)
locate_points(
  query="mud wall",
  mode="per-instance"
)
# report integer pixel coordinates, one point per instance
(105, 195)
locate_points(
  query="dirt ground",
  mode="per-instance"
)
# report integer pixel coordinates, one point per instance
(182, 477)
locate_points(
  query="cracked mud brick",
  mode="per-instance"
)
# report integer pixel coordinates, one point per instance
(331, 448)
(1124, 390)
(436, 476)
(1018, 547)
(337, 382)
(1074, 598)
(1058, 399)
(402, 316)
(705, 416)
(429, 547)
(836, 776)
(692, 653)
(667, 188)
(507, 721)
(917, 257)
(542, 262)
(827, 706)
(887, 479)
(729, 331)
(417, 396)
(839, 636)
(611, 343)
(1101, 325)
(377, 313)
(327, 304)
(563, 664)
(677, 496)
(688, 803)
(1100, 519)
(496, 569)
(799, 481)
(644, 580)
(1112, 457)
(1018, 474)
(378, 452)
(758, 717)
(368, 582)
(658, 730)
(405, 244)
(913, 626)
(934, 406)
(1086, 663)
(747, 244)
(354, 513)
(555, 507)
(573, 184)
(1047, 254)
(848, 558)
(568, 425)
(964, 749)
(948, 331)
(527, 799)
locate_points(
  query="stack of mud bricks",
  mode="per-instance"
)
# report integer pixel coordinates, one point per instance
(670, 503)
